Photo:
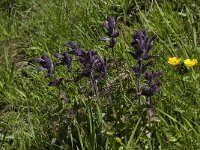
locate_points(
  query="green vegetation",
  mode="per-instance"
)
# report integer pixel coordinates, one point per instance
(34, 115)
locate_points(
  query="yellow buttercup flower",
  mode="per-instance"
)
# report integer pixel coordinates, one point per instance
(174, 61)
(190, 63)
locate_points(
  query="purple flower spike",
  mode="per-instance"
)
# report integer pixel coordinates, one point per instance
(75, 48)
(92, 65)
(111, 25)
(56, 82)
(65, 60)
(153, 85)
(72, 45)
(142, 43)
(46, 64)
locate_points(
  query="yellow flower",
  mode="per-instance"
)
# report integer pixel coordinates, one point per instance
(118, 140)
(174, 61)
(190, 63)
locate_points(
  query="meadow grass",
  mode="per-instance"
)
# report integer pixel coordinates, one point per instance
(37, 116)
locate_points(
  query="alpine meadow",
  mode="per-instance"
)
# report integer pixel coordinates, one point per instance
(99, 74)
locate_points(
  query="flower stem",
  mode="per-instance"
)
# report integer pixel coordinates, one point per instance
(113, 53)
(150, 108)
(138, 88)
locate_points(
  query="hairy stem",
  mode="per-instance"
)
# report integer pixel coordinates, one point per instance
(113, 53)
(150, 107)
(138, 77)
(138, 88)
